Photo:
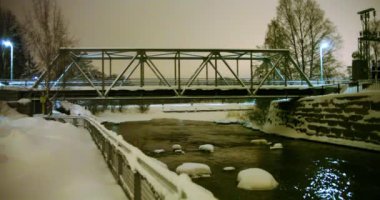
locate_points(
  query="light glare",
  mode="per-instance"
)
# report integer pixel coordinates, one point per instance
(7, 43)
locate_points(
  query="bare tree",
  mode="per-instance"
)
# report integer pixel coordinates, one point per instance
(301, 26)
(45, 32)
(276, 38)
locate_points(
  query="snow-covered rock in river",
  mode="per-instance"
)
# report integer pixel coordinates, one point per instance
(276, 146)
(256, 179)
(158, 151)
(179, 151)
(194, 170)
(176, 147)
(229, 168)
(206, 148)
(260, 142)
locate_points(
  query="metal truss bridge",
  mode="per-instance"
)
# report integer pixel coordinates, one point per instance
(173, 74)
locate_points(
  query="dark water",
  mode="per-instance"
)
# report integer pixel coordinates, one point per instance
(304, 170)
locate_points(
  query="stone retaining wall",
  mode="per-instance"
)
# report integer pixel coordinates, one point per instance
(354, 117)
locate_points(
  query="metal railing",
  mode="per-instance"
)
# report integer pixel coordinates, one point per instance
(138, 175)
(156, 82)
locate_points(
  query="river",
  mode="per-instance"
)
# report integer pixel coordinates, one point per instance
(304, 170)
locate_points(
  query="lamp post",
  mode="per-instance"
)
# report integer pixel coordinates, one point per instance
(8, 43)
(321, 47)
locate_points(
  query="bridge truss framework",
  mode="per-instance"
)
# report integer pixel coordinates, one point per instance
(139, 60)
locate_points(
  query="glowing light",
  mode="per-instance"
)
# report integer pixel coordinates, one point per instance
(8, 43)
(322, 46)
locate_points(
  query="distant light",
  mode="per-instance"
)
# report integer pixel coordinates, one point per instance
(7, 43)
(35, 78)
(324, 45)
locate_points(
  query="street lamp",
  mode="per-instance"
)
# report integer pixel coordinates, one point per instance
(8, 43)
(321, 47)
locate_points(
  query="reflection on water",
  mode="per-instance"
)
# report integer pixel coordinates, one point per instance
(327, 181)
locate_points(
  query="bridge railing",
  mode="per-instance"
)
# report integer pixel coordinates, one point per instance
(156, 82)
(138, 175)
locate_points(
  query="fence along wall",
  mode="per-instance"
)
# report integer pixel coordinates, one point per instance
(139, 175)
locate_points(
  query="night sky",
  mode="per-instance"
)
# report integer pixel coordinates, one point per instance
(190, 24)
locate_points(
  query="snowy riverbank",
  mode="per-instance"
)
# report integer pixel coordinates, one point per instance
(42, 159)
(200, 112)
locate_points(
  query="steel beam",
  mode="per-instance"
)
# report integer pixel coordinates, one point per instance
(278, 51)
(300, 71)
(217, 73)
(63, 74)
(266, 76)
(85, 76)
(233, 73)
(103, 81)
(46, 71)
(120, 75)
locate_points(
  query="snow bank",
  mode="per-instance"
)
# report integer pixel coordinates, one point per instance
(206, 148)
(7, 112)
(75, 109)
(131, 113)
(42, 159)
(256, 179)
(24, 101)
(194, 170)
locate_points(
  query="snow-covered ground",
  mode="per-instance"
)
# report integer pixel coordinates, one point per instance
(42, 159)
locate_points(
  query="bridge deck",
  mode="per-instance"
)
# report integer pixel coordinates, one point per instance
(162, 93)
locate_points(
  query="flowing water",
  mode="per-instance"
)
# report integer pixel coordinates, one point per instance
(304, 170)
